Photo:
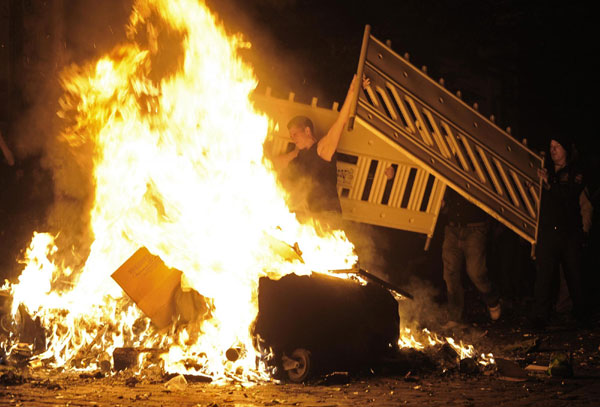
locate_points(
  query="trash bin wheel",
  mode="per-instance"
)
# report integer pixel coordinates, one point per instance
(300, 373)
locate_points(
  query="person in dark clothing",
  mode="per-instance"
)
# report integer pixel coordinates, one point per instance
(465, 240)
(565, 217)
(511, 265)
(310, 168)
(321, 178)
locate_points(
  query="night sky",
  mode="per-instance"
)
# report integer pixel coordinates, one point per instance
(530, 63)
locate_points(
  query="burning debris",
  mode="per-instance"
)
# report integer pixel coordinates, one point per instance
(157, 291)
(307, 326)
(180, 181)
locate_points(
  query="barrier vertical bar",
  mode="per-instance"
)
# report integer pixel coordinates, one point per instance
(359, 75)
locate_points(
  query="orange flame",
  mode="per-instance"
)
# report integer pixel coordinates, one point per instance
(407, 340)
(178, 168)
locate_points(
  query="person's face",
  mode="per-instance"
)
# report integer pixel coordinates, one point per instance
(302, 138)
(557, 152)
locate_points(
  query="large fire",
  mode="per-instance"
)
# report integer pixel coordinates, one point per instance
(177, 151)
(178, 168)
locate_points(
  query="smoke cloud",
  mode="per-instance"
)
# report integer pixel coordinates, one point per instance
(54, 37)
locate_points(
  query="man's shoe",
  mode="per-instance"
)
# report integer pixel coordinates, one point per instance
(495, 312)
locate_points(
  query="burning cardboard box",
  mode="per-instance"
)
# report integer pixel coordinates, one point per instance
(157, 291)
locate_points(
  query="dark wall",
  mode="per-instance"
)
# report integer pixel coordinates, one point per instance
(5, 72)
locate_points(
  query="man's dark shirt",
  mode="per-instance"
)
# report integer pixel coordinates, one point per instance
(560, 209)
(460, 211)
(310, 171)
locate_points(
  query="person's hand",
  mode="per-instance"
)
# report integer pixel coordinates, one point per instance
(389, 172)
(365, 82)
(543, 174)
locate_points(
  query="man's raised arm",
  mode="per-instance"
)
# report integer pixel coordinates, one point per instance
(328, 144)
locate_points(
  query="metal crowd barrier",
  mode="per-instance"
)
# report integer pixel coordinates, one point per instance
(408, 197)
(412, 113)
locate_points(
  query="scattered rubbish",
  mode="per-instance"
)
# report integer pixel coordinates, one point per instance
(96, 375)
(191, 378)
(198, 378)
(131, 381)
(512, 379)
(53, 386)
(29, 330)
(527, 346)
(21, 354)
(510, 371)
(11, 378)
(447, 356)
(193, 363)
(124, 358)
(232, 354)
(105, 366)
(335, 378)
(47, 384)
(468, 366)
(560, 365)
(6, 321)
(274, 402)
(287, 252)
(190, 306)
(481, 334)
(410, 378)
(177, 383)
(412, 360)
(144, 396)
(536, 368)
(35, 363)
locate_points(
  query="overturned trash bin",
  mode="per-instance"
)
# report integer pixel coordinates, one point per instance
(319, 323)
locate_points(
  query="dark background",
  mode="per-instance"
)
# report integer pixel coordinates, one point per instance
(530, 63)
